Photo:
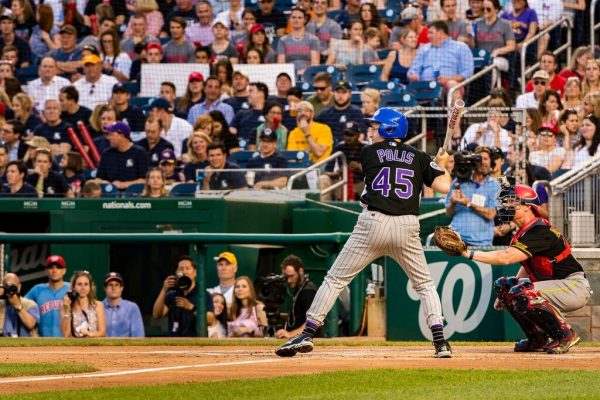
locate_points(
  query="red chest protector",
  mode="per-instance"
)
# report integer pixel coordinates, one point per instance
(541, 268)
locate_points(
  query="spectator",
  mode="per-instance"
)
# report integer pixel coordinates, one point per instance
(22, 106)
(248, 317)
(197, 155)
(155, 184)
(153, 18)
(201, 32)
(299, 47)
(548, 12)
(371, 18)
(35, 143)
(3, 163)
(445, 60)
(342, 112)
(323, 27)
(550, 106)
(487, 134)
(104, 115)
(587, 147)
(591, 81)
(221, 47)
(573, 96)
(175, 129)
(476, 10)
(283, 83)
(137, 31)
(49, 296)
(258, 40)
(411, 18)
(48, 183)
(123, 317)
(23, 18)
(227, 267)
(591, 104)
(569, 124)
(212, 92)
(71, 111)
(48, 85)
(43, 36)
(124, 163)
(549, 63)
(240, 32)
(268, 158)
(519, 160)
(178, 49)
(194, 93)
(271, 18)
(54, 129)
(370, 99)
(472, 203)
(221, 180)
(217, 326)
(323, 98)
(20, 315)
(94, 88)
(119, 11)
(302, 292)
(128, 113)
(72, 166)
(348, 14)
(310, 136)
(294, 97)
(68, 56)
(246, 121)
(114, 61)
(224, 71)
(239, 100)
(220, 132)
(459, 28)
(167, 164)
(352, 147)
(168, 92)
(83, 316)
(579, 60)
(91, 190)
(549, 155)
(9, 38)
(540, 85)
(272, 114)
(153, 143)
(14, 174)
(12, 136)
(353, 51)
(399, 61)
(180, 304)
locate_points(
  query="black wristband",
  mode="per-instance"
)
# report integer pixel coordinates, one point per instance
(193, 309)
(471, 255)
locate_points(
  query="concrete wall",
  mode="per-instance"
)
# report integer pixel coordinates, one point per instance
(586, 321)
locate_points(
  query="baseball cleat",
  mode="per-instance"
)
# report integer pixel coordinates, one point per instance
(531, 344)
(302, 343)
(562, 346)
(442, 350)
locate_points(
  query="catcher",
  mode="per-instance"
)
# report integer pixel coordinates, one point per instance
(550, 281)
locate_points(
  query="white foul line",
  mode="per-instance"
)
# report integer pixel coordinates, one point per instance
(132, 372)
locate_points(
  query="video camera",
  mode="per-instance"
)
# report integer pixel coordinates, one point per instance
(272, 290)
(465, 163)
(9, 290)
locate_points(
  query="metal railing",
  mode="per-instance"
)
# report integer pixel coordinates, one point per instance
(472, 78)
(567, 46)
(315, 167)
(593, 25)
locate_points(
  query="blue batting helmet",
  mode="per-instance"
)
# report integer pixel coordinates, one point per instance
(393, 123)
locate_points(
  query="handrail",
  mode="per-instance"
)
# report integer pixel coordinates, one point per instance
(567, 46)
(422, 137)
(317, 165)
(569, 178)
(593, 26)
(470, 79)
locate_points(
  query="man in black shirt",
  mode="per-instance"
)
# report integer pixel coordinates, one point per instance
(153, 143)
(54, 129)
(342, 111)
(130, 114)
(550, 281)
(246, 120)
(268, 158)
(273, 19)
(16, 185)
(223, 180)
(8, 38)
(388, 226)
(239, 100)
(71, 111)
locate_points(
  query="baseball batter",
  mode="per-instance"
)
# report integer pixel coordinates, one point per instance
(388, 226)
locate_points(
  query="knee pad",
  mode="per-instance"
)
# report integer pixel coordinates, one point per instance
(503, 285)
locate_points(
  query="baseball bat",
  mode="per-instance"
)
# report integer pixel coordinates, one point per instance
(459, 106)
(80, 149)
(88, 140)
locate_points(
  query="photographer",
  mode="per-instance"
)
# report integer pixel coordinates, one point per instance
(472, 201)
(302, 291)
(18, 316)
(178, 298)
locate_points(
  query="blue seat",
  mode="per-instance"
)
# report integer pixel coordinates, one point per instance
(140, 101)
(241, 158)
(134, 190)
(310, 72)
(355, 99)
(384, 85)
(398, 99)
(108, 190)
(333, 14)
(133, 87)
(481, 58)
(183, 190)
(362, 74)
(383, 53)
(305, 86)
(390, 14)
(296, 159)
(27, 74)
(425, 92)
(89, 173)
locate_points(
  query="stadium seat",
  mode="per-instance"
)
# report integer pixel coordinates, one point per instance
(241, 158)
(390, 15)
(355, 99)
(27, 74)
(134, 190)
(425, 92)
(134, 88)
(183, 190)
(481, 58)
(89, 173)
(384, 85)
(310, 72)
(398, 99)
(305, 86)
(140, 101)
(108, 190)
(333, 14)
(362, 74)
(383, 53)
(296, 159)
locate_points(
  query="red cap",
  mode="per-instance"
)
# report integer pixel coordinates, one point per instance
(154, 45)
(55, 260)
(547, 126)
(256, 28)
(196, 76)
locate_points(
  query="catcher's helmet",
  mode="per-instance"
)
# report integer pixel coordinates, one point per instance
(511, 195)
(393, 123)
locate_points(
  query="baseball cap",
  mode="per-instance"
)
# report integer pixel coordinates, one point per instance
(342, 85)
(154, 45)
(161, 103)
(218, 21)
(167, 156)
(268, 135)
(91, 48)
(37, 142)
(305, 104)
(408, 14)
(8, 17)
(547, 126)
(541, 74)
(55, 260)
(351, 128)
(90, 59)
(239, 73)
(257, 28)
(226, 255)
(68, 29)
(113, 276)
(196, 76)
(119, 87)
(119, 127)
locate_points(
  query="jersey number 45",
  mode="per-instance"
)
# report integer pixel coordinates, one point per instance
(404, 186)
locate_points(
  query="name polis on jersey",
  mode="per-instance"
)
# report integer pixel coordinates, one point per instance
(395, 155)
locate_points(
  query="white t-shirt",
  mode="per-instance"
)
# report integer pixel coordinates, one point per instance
(487, 139)
(179, 130)
(543, 158)
(582, 155)
(93, 94)
(228, 294)
(121, 63)
(40, 92)
(527, 100)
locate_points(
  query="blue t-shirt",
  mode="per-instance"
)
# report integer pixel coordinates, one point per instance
(55, 134)
(49, 302)
(123, 166)
(473, 228)
(246, 121)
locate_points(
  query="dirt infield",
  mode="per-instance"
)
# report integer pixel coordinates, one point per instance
(137, 365)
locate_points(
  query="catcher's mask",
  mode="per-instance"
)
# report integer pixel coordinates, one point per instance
(510, 196)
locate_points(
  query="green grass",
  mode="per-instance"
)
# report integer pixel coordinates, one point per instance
(27, 369)
(365, 384)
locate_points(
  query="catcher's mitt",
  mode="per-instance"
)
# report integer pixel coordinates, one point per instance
(449, 241)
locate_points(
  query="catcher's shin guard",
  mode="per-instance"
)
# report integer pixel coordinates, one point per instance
(529, 303)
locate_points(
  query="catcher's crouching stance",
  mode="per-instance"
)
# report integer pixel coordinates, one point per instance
(550, 281)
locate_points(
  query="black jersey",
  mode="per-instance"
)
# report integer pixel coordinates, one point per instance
(394, 176)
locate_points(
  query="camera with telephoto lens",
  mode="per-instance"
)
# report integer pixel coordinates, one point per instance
(182, 283)
(72, 295)
(465, 163)
(272, 290)
(10, 290)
